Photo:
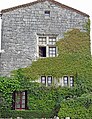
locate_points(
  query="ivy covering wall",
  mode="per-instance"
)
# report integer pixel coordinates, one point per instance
(74, 59)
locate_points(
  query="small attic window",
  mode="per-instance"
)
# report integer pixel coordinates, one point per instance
(47, 14)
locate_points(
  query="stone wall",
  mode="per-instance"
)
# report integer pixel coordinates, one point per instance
(21, 26)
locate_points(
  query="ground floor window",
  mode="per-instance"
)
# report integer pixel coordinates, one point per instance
(46, 80)
(68, 81)
(20, 100)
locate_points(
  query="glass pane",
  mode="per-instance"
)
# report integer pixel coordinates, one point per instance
(49, 80)
(43, 80)
(23, 106)
(42, 40)
(65, 80)
(52, 51)
(23, 101)
(17, 106)
(19, 99)
(52, 40)
(23, 97)
(71, 81)
(23, 93)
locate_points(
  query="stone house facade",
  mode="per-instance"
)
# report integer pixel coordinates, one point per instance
(30, 31)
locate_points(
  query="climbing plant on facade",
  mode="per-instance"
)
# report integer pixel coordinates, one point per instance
(73, 59)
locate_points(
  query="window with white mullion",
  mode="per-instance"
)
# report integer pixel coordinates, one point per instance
(52, 51)
(46, 46)
(52, 40)
(42, 40)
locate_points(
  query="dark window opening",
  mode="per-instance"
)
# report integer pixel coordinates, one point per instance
(42, 51)
(47, 13)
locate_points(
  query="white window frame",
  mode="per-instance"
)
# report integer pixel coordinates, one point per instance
(47, 45)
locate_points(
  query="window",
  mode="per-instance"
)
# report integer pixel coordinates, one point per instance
(65, 81)
(68, 81)
(42, 51)
(20, 100)
(52, 40)
(42, 40)
(43, 80)
(71, 81)
(47, 14)
(46, 46)
(47, 81)
(52, 51)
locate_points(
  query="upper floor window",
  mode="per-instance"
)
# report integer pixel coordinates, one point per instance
(52, 51)
(47, 14)
(46, 46)
(46, 80)
(52, 40)
(42, 40)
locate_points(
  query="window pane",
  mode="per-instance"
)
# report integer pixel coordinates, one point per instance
(42, 40)
(23, 93)
(23, 97)
(52, 40)
(52, 51)
(23, 106)
(43, 80)
(49, 80)
(19, 100)
(17, 106)
(23, 101)
(65, 81)
(71, 81)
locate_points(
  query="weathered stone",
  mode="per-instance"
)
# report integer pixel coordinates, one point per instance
(20, 27)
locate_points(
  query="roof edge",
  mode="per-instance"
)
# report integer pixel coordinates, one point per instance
(38, 1)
